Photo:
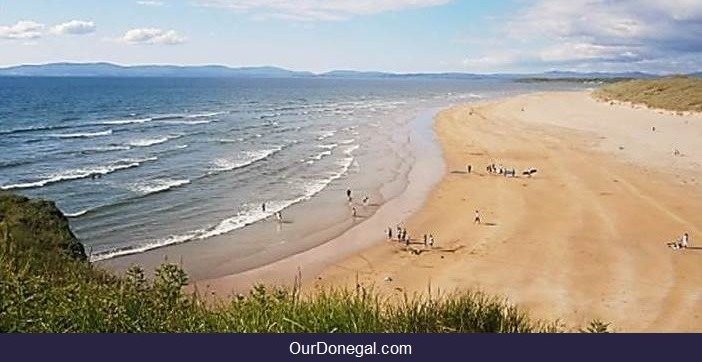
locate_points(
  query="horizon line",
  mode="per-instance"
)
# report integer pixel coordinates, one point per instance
(556, 70)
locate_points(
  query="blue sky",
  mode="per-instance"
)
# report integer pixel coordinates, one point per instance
(387, 35)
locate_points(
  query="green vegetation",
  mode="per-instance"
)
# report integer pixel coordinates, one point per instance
(46, 285)
(678, 93)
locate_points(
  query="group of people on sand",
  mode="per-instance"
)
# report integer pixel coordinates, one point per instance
(498, 169)
(681, 243)
(403, 237)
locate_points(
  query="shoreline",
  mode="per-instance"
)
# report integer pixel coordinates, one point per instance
(307, 222)
(582, 239)
(426, 171)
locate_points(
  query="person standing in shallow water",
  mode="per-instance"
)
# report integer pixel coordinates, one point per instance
(263, 207)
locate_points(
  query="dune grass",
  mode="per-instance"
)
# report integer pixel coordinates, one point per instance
(79, 298)
(678, 93)
(45, 290)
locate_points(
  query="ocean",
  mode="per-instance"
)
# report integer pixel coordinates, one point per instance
(141, 164)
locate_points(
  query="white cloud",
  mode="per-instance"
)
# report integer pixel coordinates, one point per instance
(151, 3)
(23, 29)
(152, 36)
(317, 10)
(605, 33)
(568, 52)
(74, 27)
(491, 61)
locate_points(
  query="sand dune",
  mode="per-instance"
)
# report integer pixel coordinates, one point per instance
(584, 238)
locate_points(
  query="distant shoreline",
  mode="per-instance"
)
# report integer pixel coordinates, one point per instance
(105, 69)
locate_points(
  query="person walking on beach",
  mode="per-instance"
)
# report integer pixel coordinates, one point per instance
(348, 194)
(263, 207)
(365, 200)
(389, 233)
(353, 210)
(684, 241)
(431, 240)
(279, 216)
(469, 168)
(477, 217)
(425, 239)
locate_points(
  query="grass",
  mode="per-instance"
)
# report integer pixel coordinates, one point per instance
(677, 93)
(43, 289)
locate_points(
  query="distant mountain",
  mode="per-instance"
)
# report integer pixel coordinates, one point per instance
(220, 71)
(113, 70)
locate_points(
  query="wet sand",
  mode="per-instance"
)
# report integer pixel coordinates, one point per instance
(584, 238)
(372, 221)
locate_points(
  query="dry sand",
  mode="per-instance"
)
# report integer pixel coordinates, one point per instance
(584, 238)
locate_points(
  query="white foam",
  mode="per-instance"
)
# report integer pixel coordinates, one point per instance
(204, 115)
(171, 240)
(146, 142)
(156, 185)
(326, 134)
(349, 150)
(82, 135)
(330, 146)
(470, 95)
(320, 155)
(229, 140)
(80, 173)
(249, 157)
(76, 214)
(248, 215)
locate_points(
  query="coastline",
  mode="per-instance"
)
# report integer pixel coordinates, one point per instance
(426, 171)
(584, 238)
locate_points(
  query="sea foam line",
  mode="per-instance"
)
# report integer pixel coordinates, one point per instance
(80, 173)
(146, 142)
(248, 216)
(82, 135)
(243, 218)
(157, 185)
(223, 164)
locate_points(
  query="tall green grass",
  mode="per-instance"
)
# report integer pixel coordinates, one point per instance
(678, 93)
(45, 290)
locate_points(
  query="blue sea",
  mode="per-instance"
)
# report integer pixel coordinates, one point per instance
(144, 163)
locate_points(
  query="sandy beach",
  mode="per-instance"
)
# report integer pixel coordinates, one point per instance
(584, 238)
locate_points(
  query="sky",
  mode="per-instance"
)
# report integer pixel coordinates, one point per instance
(476, 36)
